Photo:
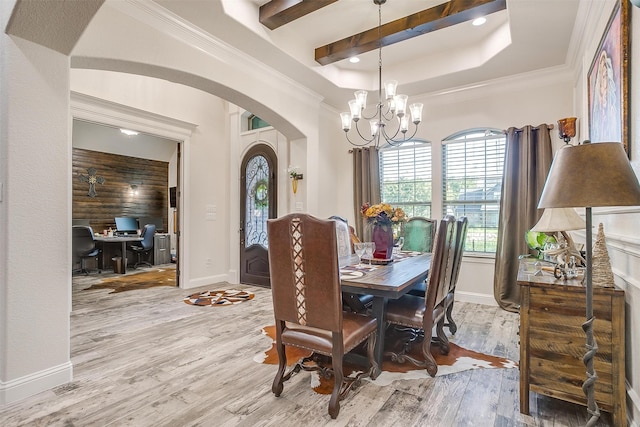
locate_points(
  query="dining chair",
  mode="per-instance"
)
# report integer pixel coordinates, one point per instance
(419, 234)
(462, 224)
(422, 313)
(307, 303)
(353, 302)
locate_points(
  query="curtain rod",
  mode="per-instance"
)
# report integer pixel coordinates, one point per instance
(534, 128)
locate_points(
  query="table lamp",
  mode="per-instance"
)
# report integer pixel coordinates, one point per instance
(590, 175)
(561, 220)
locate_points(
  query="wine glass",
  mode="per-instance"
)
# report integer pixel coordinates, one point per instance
(369, 248)
(359, 248)
(398, 246)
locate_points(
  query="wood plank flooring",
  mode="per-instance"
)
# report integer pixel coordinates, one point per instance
(145, 358)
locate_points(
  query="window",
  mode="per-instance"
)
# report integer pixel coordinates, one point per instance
(405, 177)
(472, 168)
(256, 122)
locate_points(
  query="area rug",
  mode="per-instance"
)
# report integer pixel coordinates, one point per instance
(459, 359)
(220, 297)
(142, 280)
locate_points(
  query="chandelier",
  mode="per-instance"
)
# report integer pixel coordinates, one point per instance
(389, 122)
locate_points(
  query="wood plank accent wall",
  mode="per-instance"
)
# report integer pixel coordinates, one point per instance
(114, 198)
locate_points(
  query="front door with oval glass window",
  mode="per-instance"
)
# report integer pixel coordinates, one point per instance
(257, 204)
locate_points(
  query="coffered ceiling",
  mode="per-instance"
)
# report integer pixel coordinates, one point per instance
(442, 52)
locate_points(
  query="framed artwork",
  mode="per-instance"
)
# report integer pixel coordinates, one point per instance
(608, 81)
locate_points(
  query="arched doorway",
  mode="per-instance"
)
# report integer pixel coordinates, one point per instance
(258, 202)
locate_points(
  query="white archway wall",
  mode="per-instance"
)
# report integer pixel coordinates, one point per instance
(35, 248)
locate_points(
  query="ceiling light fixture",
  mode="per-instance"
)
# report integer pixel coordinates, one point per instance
(479, 21)
(395, 107)
(128, 132)
(354, 59)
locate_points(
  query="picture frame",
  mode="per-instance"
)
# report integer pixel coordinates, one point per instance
(608, 81)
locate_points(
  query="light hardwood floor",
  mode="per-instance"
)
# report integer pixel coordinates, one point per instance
(145, 358)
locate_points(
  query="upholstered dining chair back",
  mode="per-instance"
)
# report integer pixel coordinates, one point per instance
(423, 313)
(343, 241)
(419, 234)
(307, 302)
(345, 235)
(462, 224)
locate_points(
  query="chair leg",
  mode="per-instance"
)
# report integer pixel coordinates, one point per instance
(338, 378)
(453, 328)
(278, 381)
(371, 345)
(430, 362)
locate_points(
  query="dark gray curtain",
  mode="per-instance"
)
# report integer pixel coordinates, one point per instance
(528, 156)
(366, 185)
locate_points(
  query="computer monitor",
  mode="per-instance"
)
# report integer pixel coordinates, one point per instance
(155, 220)
(126, 225)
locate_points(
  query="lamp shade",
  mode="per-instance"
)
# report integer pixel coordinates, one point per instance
(588, 175)
(559, 219)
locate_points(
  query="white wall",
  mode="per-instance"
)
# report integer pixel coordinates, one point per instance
(35, 203)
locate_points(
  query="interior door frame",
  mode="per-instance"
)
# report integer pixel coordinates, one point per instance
(100, 111)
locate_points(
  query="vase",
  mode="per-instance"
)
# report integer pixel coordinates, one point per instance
(383, 238)
(294, 185)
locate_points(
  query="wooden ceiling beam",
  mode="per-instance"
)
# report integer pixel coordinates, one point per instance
(277, 13)
(435, 18)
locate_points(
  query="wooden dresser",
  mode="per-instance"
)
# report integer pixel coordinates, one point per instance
(552, 343)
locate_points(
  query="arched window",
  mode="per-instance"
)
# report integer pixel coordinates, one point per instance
(405, 177)
(472, 169)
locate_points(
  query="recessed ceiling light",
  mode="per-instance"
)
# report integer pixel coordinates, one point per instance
(479, 21)
(354, 59)
(128, 132)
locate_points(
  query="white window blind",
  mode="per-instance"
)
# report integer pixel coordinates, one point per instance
(405, 177)
(472, 169)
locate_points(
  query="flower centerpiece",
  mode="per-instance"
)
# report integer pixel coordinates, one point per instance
(382, 217)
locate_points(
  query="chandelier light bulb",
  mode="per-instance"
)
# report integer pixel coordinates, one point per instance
(346, 121)
(416, 112)
(374, 127)
(361, 97)
(401, 104)
(404, 124)
(355, 109)
(390, 88)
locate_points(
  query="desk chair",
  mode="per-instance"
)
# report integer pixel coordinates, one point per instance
(307, 303)
(84, 246)
(145, 246)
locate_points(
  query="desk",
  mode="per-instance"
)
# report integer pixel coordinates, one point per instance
(117, 239)
(388, 281)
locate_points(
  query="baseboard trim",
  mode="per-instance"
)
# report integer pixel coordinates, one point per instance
(204, 281)
(633, 409)
(23, 387)
(475, 298)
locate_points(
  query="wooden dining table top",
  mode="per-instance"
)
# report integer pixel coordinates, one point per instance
(391, 280)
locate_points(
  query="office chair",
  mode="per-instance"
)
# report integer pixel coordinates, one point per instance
(145, 246)
(84, 246)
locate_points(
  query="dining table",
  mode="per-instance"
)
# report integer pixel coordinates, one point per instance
(389, 280)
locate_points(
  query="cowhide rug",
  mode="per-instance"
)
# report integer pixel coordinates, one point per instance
(142, 280)
(220, 297)
(459, 359)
